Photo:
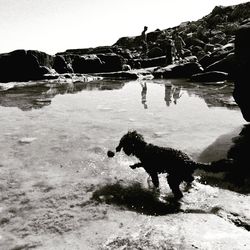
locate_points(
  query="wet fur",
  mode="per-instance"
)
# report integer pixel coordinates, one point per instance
(156, 160)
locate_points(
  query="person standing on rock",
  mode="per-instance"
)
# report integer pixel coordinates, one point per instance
(144, 42)
(169, 52)
(179, 44)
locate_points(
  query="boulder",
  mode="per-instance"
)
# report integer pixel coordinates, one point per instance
(211, 76)
(191, 58)
(226, 64)
(151, 62)
(119, 75)
(192, 41)
(185, 70)
(241, 78)
(61, 66)
(43, 58)
(87, 64)
(110, 62)
(155, 52)
(22, 65)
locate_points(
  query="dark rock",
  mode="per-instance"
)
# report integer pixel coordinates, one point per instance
(155, 52)
(61, 66)
(191, 59)
(241, 78)
(192, 41)
(22, 65)
(241, 11)
(110, 62)
(152, 36)
(186, 70)
(119, 75)
(45, 70)
(225, 65)
(126, 67)
(209, 47)
(87, 64)
(42, 58)
(212, 76)
(151, 62)
(206, 60)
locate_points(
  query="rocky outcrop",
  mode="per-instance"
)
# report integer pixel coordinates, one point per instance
(87, 64)
(22, 65)
(61, 66)
(94, 63)
(226, 64)
(241, 79)
(209, 42)
(184, 70)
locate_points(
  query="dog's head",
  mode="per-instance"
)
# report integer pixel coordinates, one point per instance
(131, 143)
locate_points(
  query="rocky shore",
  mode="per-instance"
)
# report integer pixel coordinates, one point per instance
(58, 188)
(210, 47)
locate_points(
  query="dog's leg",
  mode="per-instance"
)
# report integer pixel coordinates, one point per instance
(174, 183)
(188, 179)
(136, 165)
(155, 179)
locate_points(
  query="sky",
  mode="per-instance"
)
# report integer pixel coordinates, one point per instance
(56, 25)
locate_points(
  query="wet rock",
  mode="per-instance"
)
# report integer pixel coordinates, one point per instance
(133, 74)
(211, 76)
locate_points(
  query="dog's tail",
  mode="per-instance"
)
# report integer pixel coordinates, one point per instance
(224, 165)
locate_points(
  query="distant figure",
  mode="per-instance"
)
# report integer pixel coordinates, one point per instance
(179, 44)
(169, 52)
(144, 95)
(144, 43)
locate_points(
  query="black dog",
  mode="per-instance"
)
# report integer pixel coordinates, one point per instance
(155, 160)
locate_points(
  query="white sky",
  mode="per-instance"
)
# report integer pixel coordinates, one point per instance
(56, 25)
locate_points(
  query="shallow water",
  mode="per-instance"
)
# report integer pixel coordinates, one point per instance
(95, 115)
(56, 178)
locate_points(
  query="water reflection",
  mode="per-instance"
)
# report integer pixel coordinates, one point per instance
(213, 95)
(144, 94)
(168, 93)
(177, 94)
(236, 145)
(40, 94)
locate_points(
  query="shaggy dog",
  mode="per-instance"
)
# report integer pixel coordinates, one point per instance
(155, 160)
